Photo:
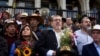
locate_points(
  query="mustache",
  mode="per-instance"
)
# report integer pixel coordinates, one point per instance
(89, 25)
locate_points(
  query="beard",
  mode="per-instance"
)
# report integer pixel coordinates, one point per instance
(12, 33)
(88, 28)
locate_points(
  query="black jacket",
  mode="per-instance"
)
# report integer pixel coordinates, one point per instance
(47, 42)
(3, 47)
(89, 50)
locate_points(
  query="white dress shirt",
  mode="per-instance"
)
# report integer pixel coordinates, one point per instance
(58, 36)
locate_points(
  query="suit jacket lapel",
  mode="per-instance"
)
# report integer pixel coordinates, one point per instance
(55, 38)
(52, 37)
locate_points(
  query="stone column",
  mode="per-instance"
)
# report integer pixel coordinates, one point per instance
(37, 3)
(58, 2)
(10, 3)
(85, 8)
(63, 7)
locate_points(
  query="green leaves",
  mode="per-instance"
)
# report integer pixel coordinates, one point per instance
(65, 38)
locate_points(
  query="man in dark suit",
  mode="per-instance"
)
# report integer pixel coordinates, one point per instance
(48, 45)
(93, 49)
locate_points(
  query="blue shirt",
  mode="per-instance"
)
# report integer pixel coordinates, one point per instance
(97, 48)
(82, 39)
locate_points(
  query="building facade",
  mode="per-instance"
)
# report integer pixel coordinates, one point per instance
(65, 6)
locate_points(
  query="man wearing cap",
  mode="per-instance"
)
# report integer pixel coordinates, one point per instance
(23, 19)
(93, 49)
(35, 21)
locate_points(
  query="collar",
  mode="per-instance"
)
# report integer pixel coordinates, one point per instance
(96, 45)
(56, 31)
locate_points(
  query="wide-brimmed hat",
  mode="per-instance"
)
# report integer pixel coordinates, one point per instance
(24, 15)
(96, 27)
(36, 16)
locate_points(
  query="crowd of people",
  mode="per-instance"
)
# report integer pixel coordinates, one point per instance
(33, 35)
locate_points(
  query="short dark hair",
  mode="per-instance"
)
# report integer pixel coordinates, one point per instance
(81, 19)
(51, 18)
